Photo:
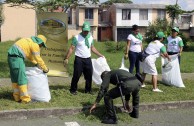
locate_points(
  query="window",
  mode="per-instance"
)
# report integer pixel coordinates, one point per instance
(126, 14)
(161, 14)
(88, 13)
(185, 19)
(143, 14)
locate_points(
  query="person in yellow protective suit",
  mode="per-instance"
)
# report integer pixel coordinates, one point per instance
(25, 48)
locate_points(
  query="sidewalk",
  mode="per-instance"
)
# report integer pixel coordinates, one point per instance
(51, 112)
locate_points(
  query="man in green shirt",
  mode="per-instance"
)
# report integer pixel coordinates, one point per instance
(129, 85)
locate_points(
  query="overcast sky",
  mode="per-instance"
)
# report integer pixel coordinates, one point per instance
(184, 4)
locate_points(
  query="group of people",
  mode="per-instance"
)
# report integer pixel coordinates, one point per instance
(160, 46)
(83, 44)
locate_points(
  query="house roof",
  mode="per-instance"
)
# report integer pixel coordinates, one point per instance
(139, 6)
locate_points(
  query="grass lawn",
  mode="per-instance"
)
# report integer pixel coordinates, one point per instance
(113, 57)
(62, 98)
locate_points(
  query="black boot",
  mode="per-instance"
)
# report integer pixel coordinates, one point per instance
(134, 114)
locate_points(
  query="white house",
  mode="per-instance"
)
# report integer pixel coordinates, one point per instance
(123, 16)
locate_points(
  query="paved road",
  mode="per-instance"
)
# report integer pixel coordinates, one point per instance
(174, 117)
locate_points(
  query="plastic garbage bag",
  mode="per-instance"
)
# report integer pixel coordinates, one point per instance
(123, 65)
(38, 87)
(99, 65)
(171, 72)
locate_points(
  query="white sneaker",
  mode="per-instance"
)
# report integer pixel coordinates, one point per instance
(157, 90)
(143, 85)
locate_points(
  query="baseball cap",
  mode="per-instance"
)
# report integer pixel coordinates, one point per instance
(160, 34)
(176, 29)
(86, 26)
(43, 38)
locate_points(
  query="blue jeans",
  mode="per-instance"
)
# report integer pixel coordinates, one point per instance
(134, 61)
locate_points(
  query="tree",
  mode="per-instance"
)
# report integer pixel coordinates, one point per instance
(49, 5)
(1, 14)
(164, 26)
(110, 2)
(158, 25)
(173, 12)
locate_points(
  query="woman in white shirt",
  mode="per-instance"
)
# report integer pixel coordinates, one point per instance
(133, 48)
(154, 49)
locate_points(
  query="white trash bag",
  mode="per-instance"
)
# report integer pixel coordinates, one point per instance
(123, 65)
(99, 65)
(171, 71)
(38, 87)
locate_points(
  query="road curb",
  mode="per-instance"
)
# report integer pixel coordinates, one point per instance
(167, 105)
(53, 112)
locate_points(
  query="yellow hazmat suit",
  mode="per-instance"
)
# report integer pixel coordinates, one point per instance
(25, 48)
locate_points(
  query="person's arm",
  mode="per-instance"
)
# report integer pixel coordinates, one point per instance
(103, 89)
(101, 93)
(70, 50)
(181, 49)
(36, 56)
(94, 50)
(141, 47)
(164, 53)
(127, 49)
(180, 46)
(32, 59)
(165, 42)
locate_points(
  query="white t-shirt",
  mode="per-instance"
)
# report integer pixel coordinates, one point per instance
(135, 45)
(81, 50)
(173, 44)
(154, 48)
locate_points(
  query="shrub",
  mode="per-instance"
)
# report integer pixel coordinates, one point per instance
(158, 25)
(114, 47)
(185, 40)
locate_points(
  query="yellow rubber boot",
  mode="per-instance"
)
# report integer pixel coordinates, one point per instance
(24, 96)
(16, 92)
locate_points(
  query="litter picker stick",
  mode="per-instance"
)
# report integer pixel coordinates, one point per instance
(119, 85)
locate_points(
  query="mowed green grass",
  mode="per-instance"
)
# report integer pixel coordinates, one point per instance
(113, 58)
(60, 96)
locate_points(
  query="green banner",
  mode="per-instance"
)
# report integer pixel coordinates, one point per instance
(54, 27)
